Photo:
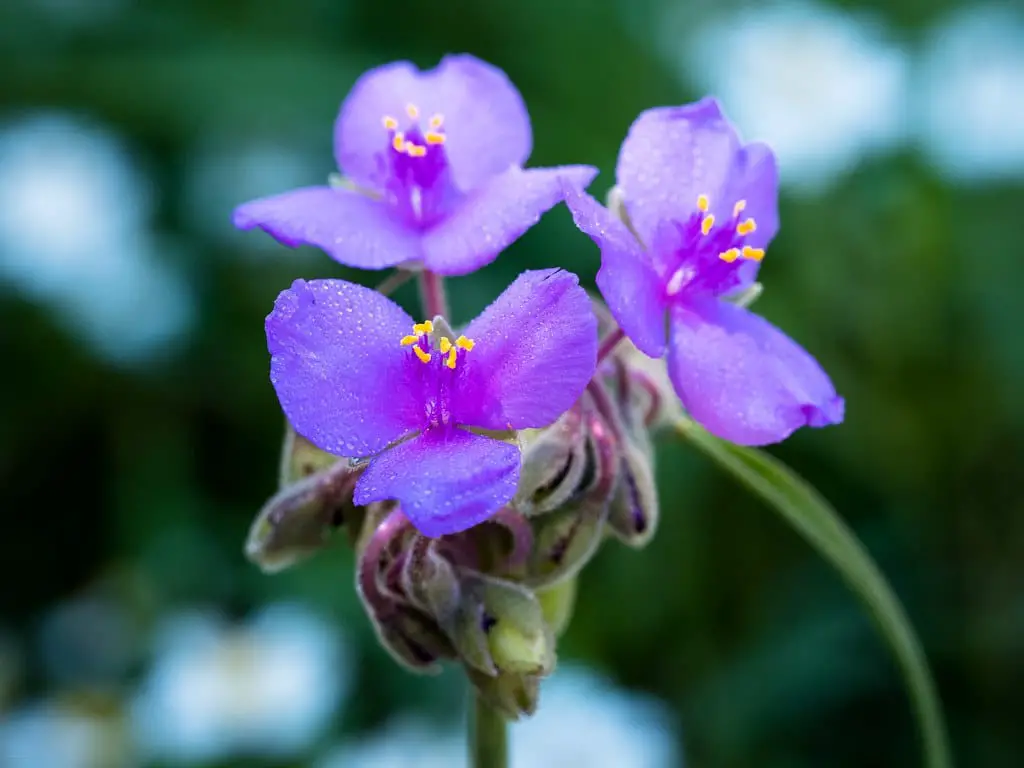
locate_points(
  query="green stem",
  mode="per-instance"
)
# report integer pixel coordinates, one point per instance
(432, 294)
(488, 736)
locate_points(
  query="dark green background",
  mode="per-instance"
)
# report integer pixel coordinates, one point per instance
(904, 286)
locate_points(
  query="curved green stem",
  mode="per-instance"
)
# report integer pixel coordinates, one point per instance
(815, 519)
(488, 736)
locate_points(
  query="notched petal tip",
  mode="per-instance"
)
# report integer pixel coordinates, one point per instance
(832, 411)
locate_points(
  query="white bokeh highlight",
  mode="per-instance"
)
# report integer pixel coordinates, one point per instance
(268, 688)
(584, 721)
(823, 87)
(74, 238)
(970, 95)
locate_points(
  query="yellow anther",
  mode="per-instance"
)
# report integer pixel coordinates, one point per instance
(436, 121)
(754, 254)
(746, 227)
(434, 138)
(409, 340)
(730, 256)
(423, 356)
(445, 345)
(464, 343)
(398, 142)
(703, 203)
(389, 122)
(425, 327)
(412, 111)
(415, 150)
(452, 355)
(739, 207)
(708, 223)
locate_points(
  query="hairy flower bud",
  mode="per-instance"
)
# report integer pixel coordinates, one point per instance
(554, 461)
(565, 540)
(633, 516)
(510, 694)
(300, 518)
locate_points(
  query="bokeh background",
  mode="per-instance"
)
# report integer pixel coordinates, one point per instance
(139, 433)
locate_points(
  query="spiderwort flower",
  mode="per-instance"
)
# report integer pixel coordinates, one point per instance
(703, 206)
(435, 159)
(358, 378)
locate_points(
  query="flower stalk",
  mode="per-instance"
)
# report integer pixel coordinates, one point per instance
(488, 735)
(432, 294)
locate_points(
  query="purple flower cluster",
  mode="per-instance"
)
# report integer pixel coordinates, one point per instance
(434, 182)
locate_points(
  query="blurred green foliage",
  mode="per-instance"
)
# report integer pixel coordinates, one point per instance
(906, 288)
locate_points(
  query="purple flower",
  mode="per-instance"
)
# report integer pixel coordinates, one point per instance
(357, 378)
(704, 208)
(436, 161)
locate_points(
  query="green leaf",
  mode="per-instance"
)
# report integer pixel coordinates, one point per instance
(820, 524)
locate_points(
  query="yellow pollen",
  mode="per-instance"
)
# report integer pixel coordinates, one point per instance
(398, 142)
(445, 345)
(746, 227)
(423, 356)
(754, 254)
(412, 111)
(464, 343)
(703, 203)
(436, 122)
(415, 150)
(707, 224)
(450, 362)
(730, 256)
(739, 207)
(409, 340)
(389, 122)
(434, 138)
(425, 327)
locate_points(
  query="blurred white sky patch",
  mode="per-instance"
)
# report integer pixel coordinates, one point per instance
(74, 238)
(584, 721)
(970, 94)
(823, 87)
(404, 742)
(64, 734)
(265, 689)
(222, 174)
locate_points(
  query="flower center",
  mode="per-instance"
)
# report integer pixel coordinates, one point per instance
(418, 183)
(704, 251)
(436, 360)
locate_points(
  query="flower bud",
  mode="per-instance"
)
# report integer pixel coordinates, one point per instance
(499, 627)
(300, 458)
(565, 540)
(299, 520)
(512, 695)
(554, 460)
(633, 515)
(557, 603)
